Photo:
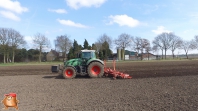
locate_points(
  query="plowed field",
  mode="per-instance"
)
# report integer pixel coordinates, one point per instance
(160, 86)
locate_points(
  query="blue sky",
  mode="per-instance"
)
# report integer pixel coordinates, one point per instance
(89, 19)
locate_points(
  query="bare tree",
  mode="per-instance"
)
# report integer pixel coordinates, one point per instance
(175, 43)
(196, 41)
(155, 49)
(141, 45)
(166, 40)
(144, 44)
(163, 41)
(123, 41)
(102, 39)
(4, 42)
(186, 46)
(98, 46)
(105, 38)
(157, 44)
(41, 41)
(16, 39)
(63, 43)
(136, 44)
(148, 49)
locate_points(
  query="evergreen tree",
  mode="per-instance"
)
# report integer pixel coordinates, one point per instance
(79, 48)
(105, 52)
(76, 48)
(90, 48)
(21, 55)
(101, 55)
(70, 54)
(95, 48)
(86, 45)
(33, 54)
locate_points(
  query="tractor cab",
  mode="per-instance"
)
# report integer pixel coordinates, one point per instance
(87, 54)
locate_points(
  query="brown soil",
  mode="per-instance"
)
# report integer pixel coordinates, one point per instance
(155, 86)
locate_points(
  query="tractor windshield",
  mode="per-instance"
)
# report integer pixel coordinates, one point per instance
(86, 55)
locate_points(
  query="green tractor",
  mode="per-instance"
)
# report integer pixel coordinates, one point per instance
(85, 64)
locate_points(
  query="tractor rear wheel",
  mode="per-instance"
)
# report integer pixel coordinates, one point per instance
(69, 73)
(95, 69)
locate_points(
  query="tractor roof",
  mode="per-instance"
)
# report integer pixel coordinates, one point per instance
(87, 50)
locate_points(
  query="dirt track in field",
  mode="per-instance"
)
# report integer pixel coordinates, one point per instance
(155, 86)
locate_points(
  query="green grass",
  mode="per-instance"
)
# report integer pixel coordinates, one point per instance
(30, 63)
(56, 63)
(163, 60)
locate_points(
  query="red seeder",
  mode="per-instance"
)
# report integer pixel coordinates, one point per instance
(115, 74)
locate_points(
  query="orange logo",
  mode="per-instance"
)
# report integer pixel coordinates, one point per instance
(10, 100)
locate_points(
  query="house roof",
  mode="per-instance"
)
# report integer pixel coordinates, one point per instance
(54, 52)
(147, 53)
(85, 50)
(130, 52)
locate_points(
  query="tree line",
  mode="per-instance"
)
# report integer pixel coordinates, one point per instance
(71, 50)
(11, 43)
(24, 55)
(10, 40)
(170, 41)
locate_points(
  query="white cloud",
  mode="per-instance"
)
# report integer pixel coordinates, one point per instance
(61, 11)
(11, 7)
(14, 6)
(9, 15)
(160, 29)
(71, 23)
(76, 4)
(123, 20)
(29, 41)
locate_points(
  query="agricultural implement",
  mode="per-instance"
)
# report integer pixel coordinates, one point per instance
(113, 73)
(88, 64)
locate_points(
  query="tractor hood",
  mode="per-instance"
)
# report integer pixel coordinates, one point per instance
(73, 62)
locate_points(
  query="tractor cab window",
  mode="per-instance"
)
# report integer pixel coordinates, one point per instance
(93, 55)
(86, 55)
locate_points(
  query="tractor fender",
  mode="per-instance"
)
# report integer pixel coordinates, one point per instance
(70, 66)
(94, 60)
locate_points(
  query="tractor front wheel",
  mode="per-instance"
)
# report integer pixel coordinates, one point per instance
(95, 69)
(69, 73)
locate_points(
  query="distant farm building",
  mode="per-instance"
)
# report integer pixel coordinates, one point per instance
(54, 55)
(131, 55)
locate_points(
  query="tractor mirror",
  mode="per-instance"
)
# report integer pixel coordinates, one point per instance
(79, 55)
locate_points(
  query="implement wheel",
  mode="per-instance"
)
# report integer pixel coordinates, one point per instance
(95, 69)
(69, 73)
